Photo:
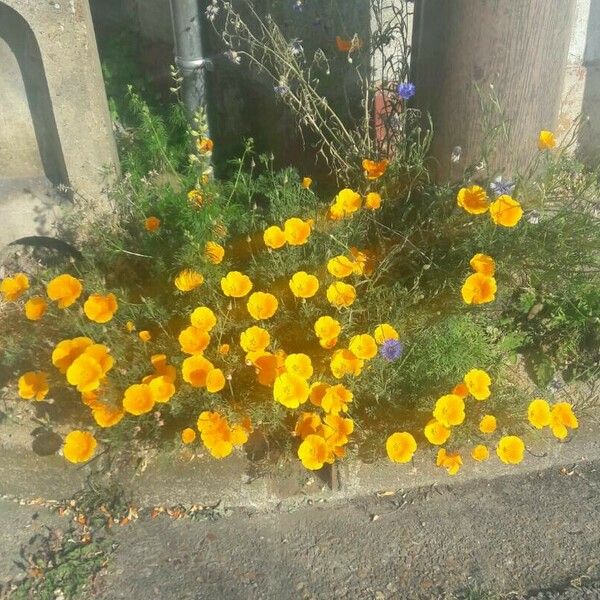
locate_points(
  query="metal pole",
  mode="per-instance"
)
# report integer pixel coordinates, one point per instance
(185, 16)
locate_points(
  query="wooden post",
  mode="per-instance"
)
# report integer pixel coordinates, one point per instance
(518, 46)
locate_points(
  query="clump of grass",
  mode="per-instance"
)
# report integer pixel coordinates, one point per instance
(63, 562)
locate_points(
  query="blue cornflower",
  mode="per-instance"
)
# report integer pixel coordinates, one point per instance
(391, 350)
(501, 187)
(281, 90)
(406, 90)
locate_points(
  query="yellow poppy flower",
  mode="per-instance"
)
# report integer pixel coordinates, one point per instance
(66, 351)
(159, 362)
(14, 287)
(303, 285)
(33, 384)
(546, 140)
(35, 308)
(341, 295)
(347, 201)
(487, 424)
(203, 318)
(274, 237)
(473, 199)
(479, 289)
(188, 435)
(296, 231)
(306, 182)
(64, 289)
(436, 433)
(79, 446)
(327, 328)
(214, 252)
(344, 362)
(162, 388)
(451, 462)
(506, 211)
(484, 264)
(101, 354)
(254, 339)
(268, 367)
(340, 266)
(290, 390)
(217, 435)
(510, 449)
(337, 429)
(336, 212)
(336, 399)
(138, 399)
(538, 413)
(262, 305)
(363, 346)
(193, 340)
(364, 261)
(215, 381)
(100, 309)
(145, 335)
(235, 284)
(374, 169)
(299, 364)
(561, 418)
(401, 447)
(449, 410)
(195, 370)
(85, 373)
(317, 391)
(480, 453)
(90, 399)
(314, 452)
(188, 280)
(308, 423)
(106, 415)
(373, 201)
(478, 383)
(385, 332)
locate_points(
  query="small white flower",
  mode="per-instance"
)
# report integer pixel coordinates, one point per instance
(533, 217)
(234, 57)
(212, 10)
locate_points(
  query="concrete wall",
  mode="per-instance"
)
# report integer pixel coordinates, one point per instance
(50, 72)
(19, 152)
(581, 95)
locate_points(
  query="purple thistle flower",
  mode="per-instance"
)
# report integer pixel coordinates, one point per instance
(391, 350)
(406, 90)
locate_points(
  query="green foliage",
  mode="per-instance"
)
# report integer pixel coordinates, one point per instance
(417, 248)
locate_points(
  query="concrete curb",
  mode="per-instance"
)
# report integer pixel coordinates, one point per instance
(174, 479)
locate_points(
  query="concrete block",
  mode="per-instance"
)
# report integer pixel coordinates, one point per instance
(50, 70)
